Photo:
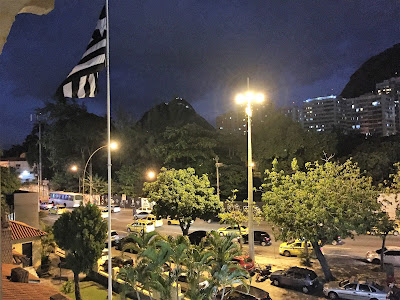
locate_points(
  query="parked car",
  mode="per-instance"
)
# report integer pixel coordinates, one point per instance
(375, 231)
(294, 248)
(115, 208)
(229, 230)
(57, 209)
(246, 262)
(142, 209)
(391, 255)
(183, 282)
(196, 236)
(175, 221)
(120, 244)
(295, 277)
(45, 205)
(261, 237)
(118, 261)
(104, 213)
(354, 290)
(241, 293)
(158, 222)
(141, 215)
(114, 237)
(140, 226)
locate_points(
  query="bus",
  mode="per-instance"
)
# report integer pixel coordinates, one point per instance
(68, 199)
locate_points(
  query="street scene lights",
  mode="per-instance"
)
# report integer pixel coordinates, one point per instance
(74, 168)
(113, 146)
(151, 175)
(248, 98)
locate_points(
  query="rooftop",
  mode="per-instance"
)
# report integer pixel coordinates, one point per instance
(21, 231)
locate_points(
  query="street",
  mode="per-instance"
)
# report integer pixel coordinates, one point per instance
(350, 255)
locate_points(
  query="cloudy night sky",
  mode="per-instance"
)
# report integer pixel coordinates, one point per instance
(202, 51)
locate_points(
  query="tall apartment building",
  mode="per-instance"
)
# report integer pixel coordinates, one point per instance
(324, 114)
(371, 114)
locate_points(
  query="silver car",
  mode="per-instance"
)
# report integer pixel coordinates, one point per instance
(354, 290)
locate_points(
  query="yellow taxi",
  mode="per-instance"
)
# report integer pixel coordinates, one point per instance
(175, 221)
(157, 222)
(295, 248)
(141, 226)
(57, 209)
(104, 213)
(229, 230)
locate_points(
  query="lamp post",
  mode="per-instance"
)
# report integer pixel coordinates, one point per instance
(113, 146)
(248, 98)
(151, 175)
(217, 166)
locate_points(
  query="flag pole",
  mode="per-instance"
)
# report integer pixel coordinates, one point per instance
(108, 152)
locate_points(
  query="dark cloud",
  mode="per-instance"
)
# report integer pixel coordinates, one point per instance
(200, 50)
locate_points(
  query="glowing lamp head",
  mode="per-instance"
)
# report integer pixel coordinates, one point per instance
(151, 175)
(113, 146)
(74, 168)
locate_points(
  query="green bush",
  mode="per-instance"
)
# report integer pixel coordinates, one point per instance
(68, 287)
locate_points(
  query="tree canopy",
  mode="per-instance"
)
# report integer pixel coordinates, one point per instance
(324, 201)
(182, 195)
(82, 234)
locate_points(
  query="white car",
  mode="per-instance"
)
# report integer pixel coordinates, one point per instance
(115, 208)
(104, 213)
(45, 205)
(143, 209)
(391, 255)
(354, 290)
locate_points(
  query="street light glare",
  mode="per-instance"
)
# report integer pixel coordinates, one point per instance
(114, 145)
(259, 98)
(249, 96)
(240, 99)
(151, 174)
(74, 168)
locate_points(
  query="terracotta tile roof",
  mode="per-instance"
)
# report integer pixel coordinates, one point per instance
(21, 231)
(24, 291)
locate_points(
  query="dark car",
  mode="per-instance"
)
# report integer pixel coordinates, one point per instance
(261, 237)
(119, 261)
(295, 277)
(241, 293)
(196, 236)
(119, 244)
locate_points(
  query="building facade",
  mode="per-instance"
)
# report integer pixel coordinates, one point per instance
(371, 114)
(324, 114)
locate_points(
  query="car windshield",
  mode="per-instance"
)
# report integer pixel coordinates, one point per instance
(114, 233)
(312, 275)
(377, 286)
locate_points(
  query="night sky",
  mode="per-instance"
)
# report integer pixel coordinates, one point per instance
(202, 51)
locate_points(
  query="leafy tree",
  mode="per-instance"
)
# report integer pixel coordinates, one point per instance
(281, 138)
(234, 214)
(324, 201)
(383, 227)
(182, 195)
(81, 233)
(130, 180)
(188, 146)
(9, 181)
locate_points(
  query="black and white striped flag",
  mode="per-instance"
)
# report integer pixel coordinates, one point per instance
(82, 81)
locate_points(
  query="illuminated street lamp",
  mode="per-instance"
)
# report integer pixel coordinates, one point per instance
(151, 175)
(74, 168)
(248, 98)
(113, 146)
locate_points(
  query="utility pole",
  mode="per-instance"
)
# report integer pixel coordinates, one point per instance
(40, 158)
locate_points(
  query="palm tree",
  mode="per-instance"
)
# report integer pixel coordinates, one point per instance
(131, 276)
(178, 247)
(227, 276)
(223, 250)
(197, 263)
(140, 242)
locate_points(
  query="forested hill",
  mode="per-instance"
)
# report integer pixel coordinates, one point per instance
(176, 113)
(376, 69)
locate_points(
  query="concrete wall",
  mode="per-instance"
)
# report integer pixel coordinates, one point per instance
(10, 8)
(26, 208)
(36, 249)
